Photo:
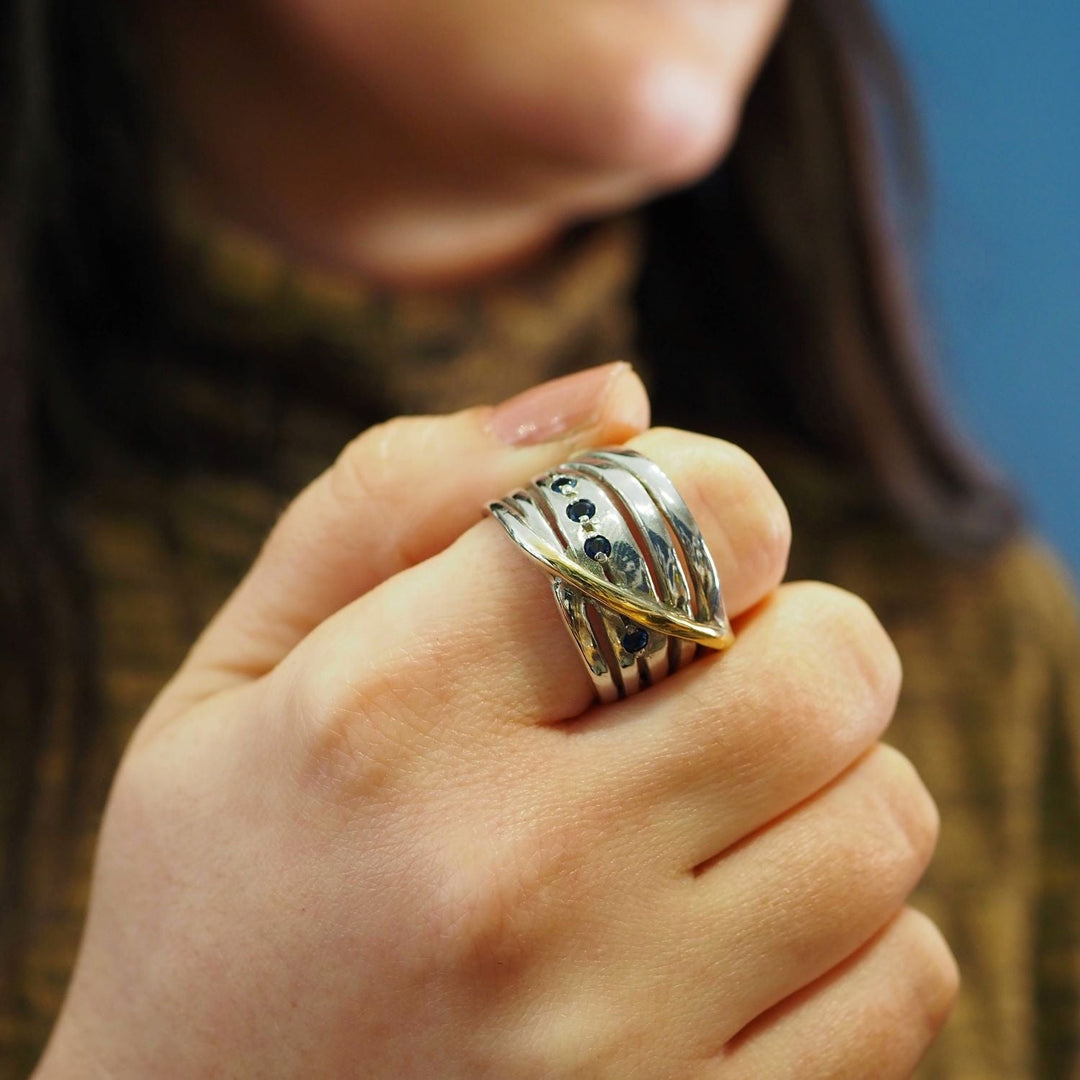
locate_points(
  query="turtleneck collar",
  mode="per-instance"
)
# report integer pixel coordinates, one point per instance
(418, 350)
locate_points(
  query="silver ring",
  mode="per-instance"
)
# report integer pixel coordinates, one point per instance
(631, 573)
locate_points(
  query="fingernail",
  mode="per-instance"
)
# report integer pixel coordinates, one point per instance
(554, 409)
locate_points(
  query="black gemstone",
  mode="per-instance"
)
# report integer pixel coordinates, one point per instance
(598, 547)
(582, 510)
(563, 485)
(635, 639)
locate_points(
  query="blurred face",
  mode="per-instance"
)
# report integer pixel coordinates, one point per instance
(323, 117)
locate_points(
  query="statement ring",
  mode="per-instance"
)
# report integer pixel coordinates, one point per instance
(631, 572)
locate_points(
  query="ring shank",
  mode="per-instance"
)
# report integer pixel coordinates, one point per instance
(631, 573)
(718, 635)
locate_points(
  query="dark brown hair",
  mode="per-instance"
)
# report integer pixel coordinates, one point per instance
(776, 288)
(772, 287)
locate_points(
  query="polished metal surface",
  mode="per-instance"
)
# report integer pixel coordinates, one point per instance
(630, 570)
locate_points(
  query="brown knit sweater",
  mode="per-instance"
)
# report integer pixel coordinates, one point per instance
(990, 711)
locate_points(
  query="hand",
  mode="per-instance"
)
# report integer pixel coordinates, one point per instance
(375, 828)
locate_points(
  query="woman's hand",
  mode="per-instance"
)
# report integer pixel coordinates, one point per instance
(375, 827)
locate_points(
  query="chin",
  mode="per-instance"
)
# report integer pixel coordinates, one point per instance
(663, 134)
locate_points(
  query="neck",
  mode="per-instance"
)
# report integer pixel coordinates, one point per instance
(392, 244)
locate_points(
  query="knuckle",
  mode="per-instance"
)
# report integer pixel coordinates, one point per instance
(351, 730)
(908, 810)
(853, 632)
(363, 470)
(772, 523)
(815, 730)
(827, 716)
(880, 836)
(933, 972)
(722, 484)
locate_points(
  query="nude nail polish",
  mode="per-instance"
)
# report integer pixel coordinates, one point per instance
(554, 409)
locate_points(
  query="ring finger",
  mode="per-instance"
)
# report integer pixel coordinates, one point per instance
(812, 888)
(874, 1015)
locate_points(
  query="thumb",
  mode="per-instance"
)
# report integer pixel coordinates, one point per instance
(398, 494)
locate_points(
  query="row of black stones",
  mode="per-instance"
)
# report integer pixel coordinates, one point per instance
(598, 548)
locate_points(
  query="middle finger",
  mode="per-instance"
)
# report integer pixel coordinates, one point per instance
(474, 634)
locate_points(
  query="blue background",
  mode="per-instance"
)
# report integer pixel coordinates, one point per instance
(998, 89)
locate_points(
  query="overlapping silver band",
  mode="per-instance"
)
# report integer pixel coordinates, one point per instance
(631, 573)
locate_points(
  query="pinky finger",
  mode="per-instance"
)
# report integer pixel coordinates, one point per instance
(875, 1015)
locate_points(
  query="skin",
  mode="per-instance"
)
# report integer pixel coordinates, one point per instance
(375, 825)
(428, 142)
